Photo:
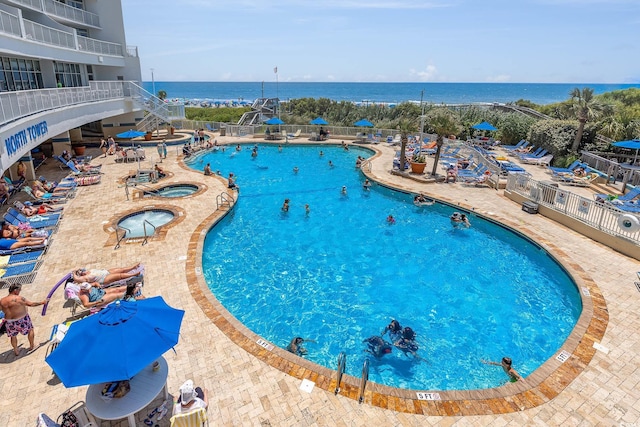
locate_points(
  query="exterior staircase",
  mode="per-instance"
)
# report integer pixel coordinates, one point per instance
(158, 111)
(262, 109)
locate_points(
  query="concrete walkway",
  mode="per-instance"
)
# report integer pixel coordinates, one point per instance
(243, 389)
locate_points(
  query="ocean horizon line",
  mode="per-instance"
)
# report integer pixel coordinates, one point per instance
(391, 82)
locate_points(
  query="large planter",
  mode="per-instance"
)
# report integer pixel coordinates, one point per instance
(79, 150)
(418, 167)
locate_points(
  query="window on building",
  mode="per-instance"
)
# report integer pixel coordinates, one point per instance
(20, 74)
(68, 75)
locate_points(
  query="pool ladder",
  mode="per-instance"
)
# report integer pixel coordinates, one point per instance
(127, 231)
(342, 363)
(223, 199)
(363, 380)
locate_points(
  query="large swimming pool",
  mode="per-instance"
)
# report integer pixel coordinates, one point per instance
(341, 272)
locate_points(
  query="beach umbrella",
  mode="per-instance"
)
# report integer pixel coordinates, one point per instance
(363, 123)
(484, 126)
(116, 343)
(274, 121)
(319, 121)
(130, 134)
(632, 144)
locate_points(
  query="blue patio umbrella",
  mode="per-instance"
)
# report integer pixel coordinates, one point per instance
(363, 123)
(274, 121)
(484, 126)
(319, 121)
(130, 134)
(632, 144)
(116, 343)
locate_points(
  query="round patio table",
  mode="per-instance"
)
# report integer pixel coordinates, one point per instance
(145, 386)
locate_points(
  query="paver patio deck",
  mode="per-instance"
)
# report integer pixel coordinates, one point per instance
(243, 389)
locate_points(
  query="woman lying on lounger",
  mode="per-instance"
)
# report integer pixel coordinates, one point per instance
(29, 210)
(21, 242)
(105, 277)
(92, 295)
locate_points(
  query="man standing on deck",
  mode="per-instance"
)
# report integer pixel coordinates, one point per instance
(17, 318)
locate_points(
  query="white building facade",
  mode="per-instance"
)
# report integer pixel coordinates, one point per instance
(64, 64)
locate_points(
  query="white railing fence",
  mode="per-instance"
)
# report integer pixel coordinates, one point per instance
(9, 23)
(14, 105)
(601, 216)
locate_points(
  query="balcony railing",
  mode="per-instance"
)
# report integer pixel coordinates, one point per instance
(71, 13)
(9, 23)
(97, 46)
(48, 35)
(15, 105)
(62, 10)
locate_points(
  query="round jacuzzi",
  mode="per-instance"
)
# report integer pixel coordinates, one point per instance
(174, 191)
(144, 223)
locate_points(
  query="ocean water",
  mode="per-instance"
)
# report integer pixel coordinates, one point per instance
(448, 93)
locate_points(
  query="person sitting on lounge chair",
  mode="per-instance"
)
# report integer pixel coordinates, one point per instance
(92, 295)
(105, 277)
(191, 398)
(452, 173)
(29, 210)
(10, 231)
(21, 242)
(40, 191)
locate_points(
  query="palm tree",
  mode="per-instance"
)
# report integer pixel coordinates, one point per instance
(405, 126)
(585, 107)
(442, 122)
(162, 94)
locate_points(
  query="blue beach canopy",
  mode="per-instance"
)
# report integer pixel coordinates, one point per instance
(632, 144)
(130, 134)
(319, 121)
(116, 343)
(274, 121)
(363, 123)
(485, 126)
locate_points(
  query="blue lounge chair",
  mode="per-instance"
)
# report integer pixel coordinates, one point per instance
(632, 194)
(19, 273)
(539, 152)
(523, 143)
(24, 249)
(47, 198)
(36, 218)
(570, 168)
(8, 217)
(19, 258)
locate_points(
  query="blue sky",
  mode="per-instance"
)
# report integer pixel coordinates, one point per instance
(519, 41)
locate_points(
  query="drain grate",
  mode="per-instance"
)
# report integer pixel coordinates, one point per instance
(637, 286)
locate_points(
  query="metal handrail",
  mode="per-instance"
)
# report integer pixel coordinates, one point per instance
(342, 362)
(146, 237)
(118, 238)
(363, 381)
(222, 199)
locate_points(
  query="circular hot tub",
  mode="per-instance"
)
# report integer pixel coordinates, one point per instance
(174, 191)
(144, 223)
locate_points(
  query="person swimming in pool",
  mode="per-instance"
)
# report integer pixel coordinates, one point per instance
(506, 364)
(394, 329)
(295, 346)
(295, 169)
(343, 191)
(377, 346)
(285, 206)
(367, 185)
(407, 342)
(391, 219)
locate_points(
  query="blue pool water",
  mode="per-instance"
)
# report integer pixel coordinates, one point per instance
(341, 273)
(135, 223)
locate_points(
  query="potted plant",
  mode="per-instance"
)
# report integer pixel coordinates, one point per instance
(418, 163)
(78, 148)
